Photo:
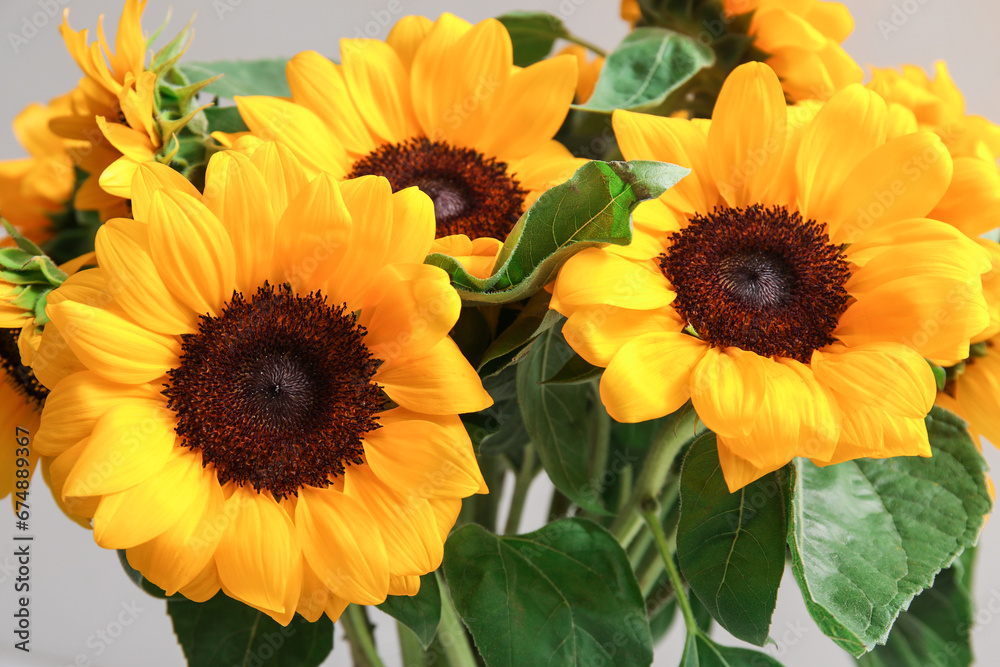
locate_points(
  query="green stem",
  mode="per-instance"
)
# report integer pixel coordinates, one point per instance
(652, 517)
(559, 506)
(451, 633)
(359, 634)
(522, 482)
(653, 476)
(409, 647)
(587, 45)
(600, 449)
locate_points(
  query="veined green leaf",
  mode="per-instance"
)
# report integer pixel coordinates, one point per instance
(564, 595)
(868, 535)
(646, 67)
(731, 546)
(223, 631)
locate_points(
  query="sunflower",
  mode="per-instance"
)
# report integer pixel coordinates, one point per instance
(34, 188)
(791, 286)
(802, 41)
(111, 121)
(267, 398)
(439, 106)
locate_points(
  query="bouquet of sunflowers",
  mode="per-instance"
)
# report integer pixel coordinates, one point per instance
(295, 337)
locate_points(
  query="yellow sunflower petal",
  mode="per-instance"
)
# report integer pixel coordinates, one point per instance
(123, 250)
(405, 521)
(447, 465)
(736, 470)
(301, 130)
(439, 381)
(319, 85)
(258, 556)
(343, 545)
(407, 36)
(74, 406)
(905, 178)
(598, 332)
(408, 310)
(129, 445)
(650, 376)
(530, 108)
(644, 137)
(112, 346)
(380, 89)
(312, 238)
(845, 130)
(192, 252)
(593, 276)
(150, 177)
(456, 73)
(140, 513)
(747, 136)
(890, 376)
(173, 559)
(235, 192)
(284, 174)
(727, 389)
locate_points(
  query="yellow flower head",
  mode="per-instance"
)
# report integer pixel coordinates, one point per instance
(790, 286)
(802, 40)
(266, 399)
(938, 105)
(112, 117)
(34, 188)
(439, 106)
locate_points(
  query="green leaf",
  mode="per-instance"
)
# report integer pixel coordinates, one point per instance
(868, 535)
(700, 651)
(500, 429)
(576, 370)
(421, 612)
(224, 119)
(731, 546)
(557, 419)
(562, 595)
(512, 343)
(223, 631)
(532, 34)
(935, 630)
(646, 67)
(592, 208)
(242, 77)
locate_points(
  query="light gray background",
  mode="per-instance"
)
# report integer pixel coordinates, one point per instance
(78, 589)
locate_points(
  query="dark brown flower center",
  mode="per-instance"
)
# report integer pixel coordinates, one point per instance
(759, 279)
(473, 195)
(277, 391)
(18, 375)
